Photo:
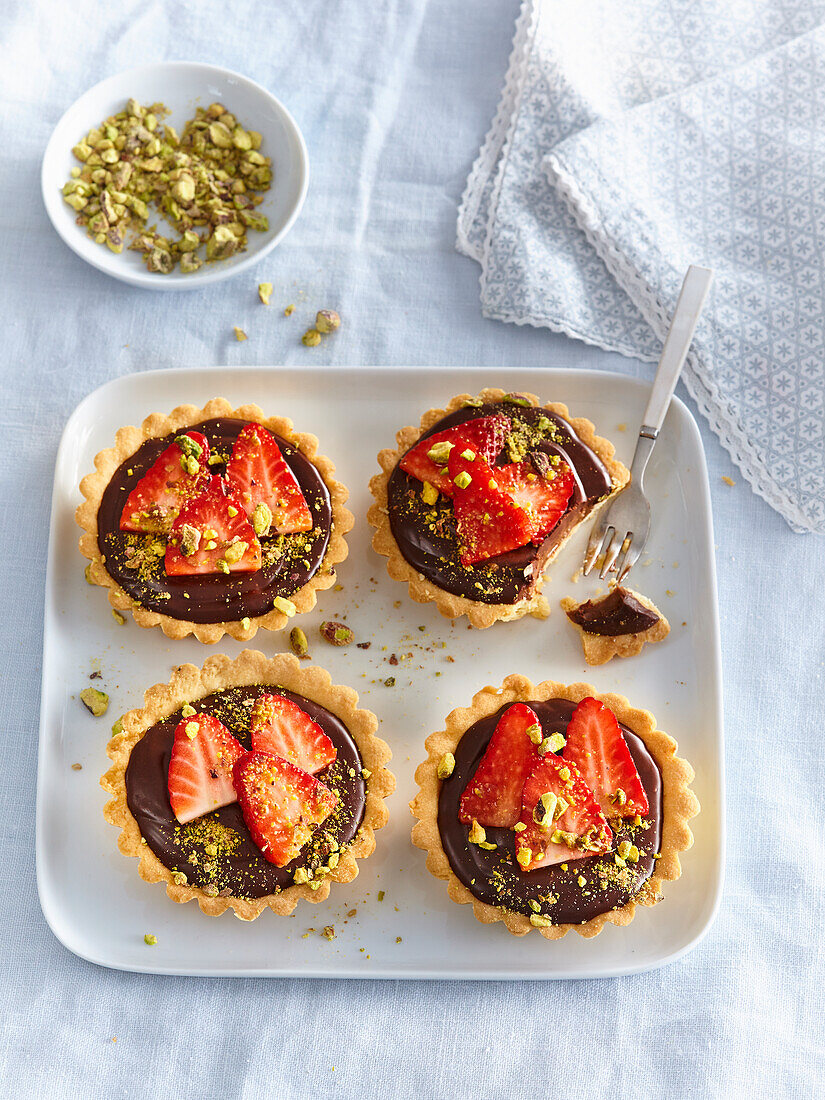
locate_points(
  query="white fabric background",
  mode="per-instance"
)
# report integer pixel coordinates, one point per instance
(394, 99)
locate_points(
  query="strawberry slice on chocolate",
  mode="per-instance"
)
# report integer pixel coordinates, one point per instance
(597, 747)
(282, 805)
(560, 817)
(493, 795)
(177, 475)
(279, 726)
(544, 498)
(265, 485)
(212, 535)
(204, 753)
(488, 521)
(427, 460)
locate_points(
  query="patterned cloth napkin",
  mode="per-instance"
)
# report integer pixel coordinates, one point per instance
(634, 139)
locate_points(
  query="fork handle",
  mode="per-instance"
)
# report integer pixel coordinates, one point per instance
(682, 327)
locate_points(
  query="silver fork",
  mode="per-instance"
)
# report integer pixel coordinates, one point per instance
(625, 524)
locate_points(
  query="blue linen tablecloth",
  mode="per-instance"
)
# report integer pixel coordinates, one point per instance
(394, 99)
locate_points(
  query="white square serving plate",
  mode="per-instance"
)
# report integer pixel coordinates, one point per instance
(404, 925)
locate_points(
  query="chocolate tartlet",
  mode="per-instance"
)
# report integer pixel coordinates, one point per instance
(420, 538)
(294, 567)
(214, 859)
(585, 893)
(619, 624)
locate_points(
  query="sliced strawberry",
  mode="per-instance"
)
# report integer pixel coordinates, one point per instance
(489, 522)
(177, 474)
(544, 500)
(493, 795)
(281, 804)
(278, 725)
(259, 474)
(597, 747)
(200, 769)
(485, 435)
(561, 817)
(212, 535)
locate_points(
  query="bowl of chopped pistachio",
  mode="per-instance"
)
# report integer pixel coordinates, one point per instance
(174, 175)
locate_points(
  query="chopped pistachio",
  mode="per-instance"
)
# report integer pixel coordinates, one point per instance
(190, 540)
(519, 827)
(365, 773)
(524, 856)
(245, 622)
(179, 878)
(540, 921)
(311, 338)
(534, 733)
(429, 494)
(564, 774)
(545, 810)
(619, 798)
(119, 619)
(477, 834)
(117, 728)
(285, 606)
(381, 895)
(235, 551)
(300, 875)
(581, 880)
(439, 453)
(188, 711)
(240, 335)
(623, 848)
(468, 455)
(327, 320)
(329, 932)
(446, 766)
(298, 642)
(633, 854)
(189, 263)
(191, 729)
(289, 310)
(517, 399)
(87, 573)
(96, 702)
(336, 633)
(150, 940)
(557, 742)
(262, 519)
(389, 682)
(189, 446)
(463, 479)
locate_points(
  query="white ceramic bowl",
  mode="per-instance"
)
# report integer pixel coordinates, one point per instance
(182, 86)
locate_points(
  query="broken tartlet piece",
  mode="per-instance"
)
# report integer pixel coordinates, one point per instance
(472, 506)
(619, 624)
(552, 807)
(248, 784)
(213, 521)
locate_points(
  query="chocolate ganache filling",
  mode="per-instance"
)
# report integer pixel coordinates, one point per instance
(494, 876)
(426, 534)
(617, 613)
(216, 852)
(288, 560)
